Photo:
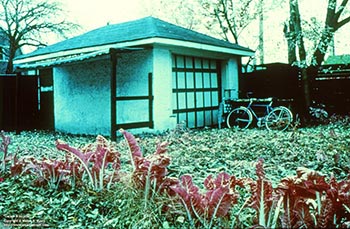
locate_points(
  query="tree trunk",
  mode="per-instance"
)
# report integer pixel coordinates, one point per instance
(12, 53)
(289, 34)
(261, 32)
(9, 68)
(305, 101)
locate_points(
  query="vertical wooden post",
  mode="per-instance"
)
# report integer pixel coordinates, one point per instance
(150, 100)
(113, 88)
(241, 79)
(17, 103)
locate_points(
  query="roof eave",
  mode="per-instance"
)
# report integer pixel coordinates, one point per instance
(203, 46)
(135, 43)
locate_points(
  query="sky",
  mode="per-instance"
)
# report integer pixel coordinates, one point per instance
(92, 14)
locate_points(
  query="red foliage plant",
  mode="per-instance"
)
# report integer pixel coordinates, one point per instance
(6, 141)
(17, 166)
(49, 172)
(262, 196)
(95, 159)
(309, 201)
(151, 169)
(53, 172)
(219, 198)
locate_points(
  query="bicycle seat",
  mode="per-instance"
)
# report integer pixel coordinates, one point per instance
(270, 99)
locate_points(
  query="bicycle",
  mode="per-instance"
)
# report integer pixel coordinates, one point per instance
(274, 118)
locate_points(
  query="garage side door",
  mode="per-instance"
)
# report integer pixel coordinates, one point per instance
(196, 92)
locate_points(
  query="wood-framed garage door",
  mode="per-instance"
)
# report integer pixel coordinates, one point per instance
(196, 90)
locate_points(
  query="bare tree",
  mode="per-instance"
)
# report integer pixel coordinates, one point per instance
(186, 13)
(231, 16)
(294, 33)
(236, 17)
(23, 22)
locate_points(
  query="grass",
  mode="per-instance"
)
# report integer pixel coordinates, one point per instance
(323, 148)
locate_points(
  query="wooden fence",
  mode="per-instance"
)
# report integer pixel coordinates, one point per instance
(18, 102)
(330, 85)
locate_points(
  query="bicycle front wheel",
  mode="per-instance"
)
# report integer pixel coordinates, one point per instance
(279, 118)
(240, 117)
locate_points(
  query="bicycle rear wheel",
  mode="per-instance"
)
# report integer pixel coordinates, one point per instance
(240, 117)
(279, 118)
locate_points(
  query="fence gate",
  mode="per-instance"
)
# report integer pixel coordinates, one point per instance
(118, 103)
(133, 101)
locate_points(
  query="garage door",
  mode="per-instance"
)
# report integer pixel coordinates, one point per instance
(196, 90)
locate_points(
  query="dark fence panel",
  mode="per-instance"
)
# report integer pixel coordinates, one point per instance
(7, 102)
(273, 80)
(330, 85)
(18, 102)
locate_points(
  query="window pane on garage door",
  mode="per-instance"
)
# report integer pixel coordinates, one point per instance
(196, 90)
(189, 80)
(199, 79)
(214, 80)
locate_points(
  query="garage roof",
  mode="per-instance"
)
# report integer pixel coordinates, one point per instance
(132, 31)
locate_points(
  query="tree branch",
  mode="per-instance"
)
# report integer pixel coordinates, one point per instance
(342, 22)
(25, 21)
(340, 10)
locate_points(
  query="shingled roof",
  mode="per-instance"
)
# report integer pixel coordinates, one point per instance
(148, 27)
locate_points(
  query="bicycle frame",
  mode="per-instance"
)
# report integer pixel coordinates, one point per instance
(268, 108)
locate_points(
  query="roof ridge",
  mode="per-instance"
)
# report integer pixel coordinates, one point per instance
(185, 29)
(152, 24)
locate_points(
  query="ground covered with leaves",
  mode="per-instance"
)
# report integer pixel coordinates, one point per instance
(200, 153)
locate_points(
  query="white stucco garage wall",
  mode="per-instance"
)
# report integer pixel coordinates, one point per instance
(230, 78)
(162, 89)
(82, 98)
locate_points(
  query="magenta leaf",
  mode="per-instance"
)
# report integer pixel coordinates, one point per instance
(151, 169)
(215, 203)
(189, 194)
(85, 157)
(6, 141)
(17, 166)
(133, 145)
(95, 159)
(221, 194)
(262, 196)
